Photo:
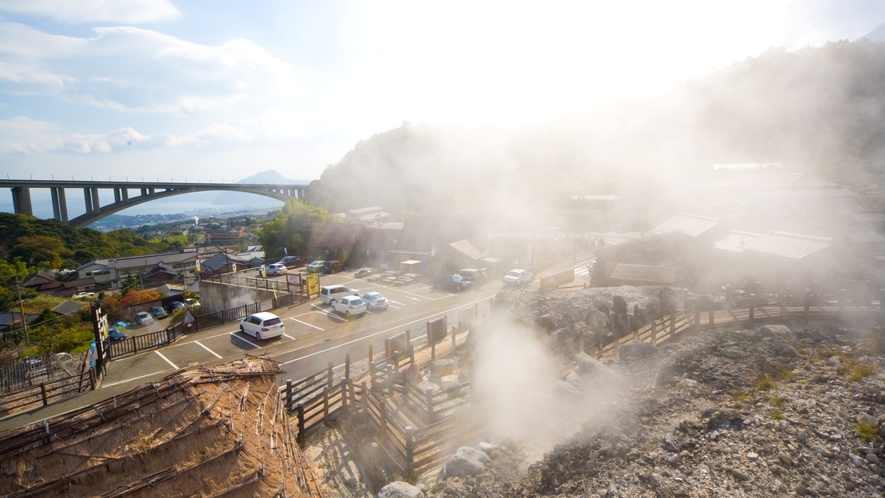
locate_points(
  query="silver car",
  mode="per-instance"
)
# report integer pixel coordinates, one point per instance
(375, 301)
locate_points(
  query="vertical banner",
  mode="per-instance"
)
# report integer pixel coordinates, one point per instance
(262, 271)
(233, 267)
(313, 285)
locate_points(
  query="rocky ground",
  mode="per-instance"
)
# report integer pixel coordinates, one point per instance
(776, 411)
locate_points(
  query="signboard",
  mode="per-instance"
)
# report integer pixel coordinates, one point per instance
(313, 285)
(294, 280)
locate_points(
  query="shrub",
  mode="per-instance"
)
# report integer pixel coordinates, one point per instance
(866, 432)
(763, 382)
(859, 371)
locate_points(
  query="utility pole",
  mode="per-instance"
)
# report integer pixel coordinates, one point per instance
(21, 308)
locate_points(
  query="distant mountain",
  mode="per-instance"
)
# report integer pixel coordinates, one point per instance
(240, 198)
(874, 36)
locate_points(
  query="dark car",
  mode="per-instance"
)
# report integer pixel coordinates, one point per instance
(332, 266)
(451, 282)
(293, 261)
(115, 335)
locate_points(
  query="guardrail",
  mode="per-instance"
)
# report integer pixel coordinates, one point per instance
(47, 392)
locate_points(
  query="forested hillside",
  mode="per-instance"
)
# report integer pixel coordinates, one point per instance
(48, 243)
(817, 110)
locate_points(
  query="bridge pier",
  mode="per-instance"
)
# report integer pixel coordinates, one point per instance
(59, 204)
(21, 200)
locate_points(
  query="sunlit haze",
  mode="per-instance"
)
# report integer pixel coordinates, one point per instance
(219, 90)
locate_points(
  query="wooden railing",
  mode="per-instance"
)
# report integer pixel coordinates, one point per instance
(47, 392)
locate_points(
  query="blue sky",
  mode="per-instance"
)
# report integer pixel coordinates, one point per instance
(223, 89)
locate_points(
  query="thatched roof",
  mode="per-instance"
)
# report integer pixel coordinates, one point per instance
(218, 431)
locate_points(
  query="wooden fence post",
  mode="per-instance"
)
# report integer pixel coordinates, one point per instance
(370, 353)
(43, 393)
(396, 361)
(365, 400)
(432, 348)
(382, 412)
(288, 395)
(428, 402)
(408, 337)
(411, 354)
(326, 405)
(344, 395)
(91, 379)
(347, 366)
(410, 453)
(329, 376)
(454, 341)
(372, 373)
(600, 341)
(300, 437)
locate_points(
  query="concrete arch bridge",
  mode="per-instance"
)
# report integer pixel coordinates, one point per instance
(146, 192)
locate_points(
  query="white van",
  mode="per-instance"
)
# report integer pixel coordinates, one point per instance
(332, 292)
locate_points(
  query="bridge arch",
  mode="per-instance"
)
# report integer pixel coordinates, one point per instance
(149, 191)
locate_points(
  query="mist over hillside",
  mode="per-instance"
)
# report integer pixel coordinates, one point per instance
(817, 110)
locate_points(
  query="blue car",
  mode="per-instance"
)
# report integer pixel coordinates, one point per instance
(115, 335)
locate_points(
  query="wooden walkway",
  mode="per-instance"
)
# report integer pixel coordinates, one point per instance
(671, 328)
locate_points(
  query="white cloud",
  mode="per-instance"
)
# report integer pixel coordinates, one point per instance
(132, 69)
(80, 11)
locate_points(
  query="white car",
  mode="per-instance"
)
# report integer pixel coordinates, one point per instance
(375, 301)
(263, 325)
(349, 306)
(144, 318)
(518, 277)
(276, 270)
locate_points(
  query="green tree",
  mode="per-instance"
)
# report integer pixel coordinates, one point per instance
(290, 227)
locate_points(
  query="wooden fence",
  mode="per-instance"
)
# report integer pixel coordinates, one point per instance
(47, 392)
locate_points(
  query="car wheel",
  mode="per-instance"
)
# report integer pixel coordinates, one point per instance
(347, 314)
(258, 335)
(242, 329)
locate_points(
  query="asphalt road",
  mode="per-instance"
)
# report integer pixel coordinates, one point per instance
(315, 335)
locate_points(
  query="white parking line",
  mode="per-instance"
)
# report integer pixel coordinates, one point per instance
(166, 359)
(413, 298)
(305, 323)
(330, 315)
(397, 302)
(394, 307)
(234, 334)
(198, 343)
(289, 336)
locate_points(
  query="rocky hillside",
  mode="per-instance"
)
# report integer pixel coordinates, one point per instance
(776, 411)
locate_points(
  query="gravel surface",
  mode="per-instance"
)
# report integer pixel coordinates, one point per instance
(795, 410)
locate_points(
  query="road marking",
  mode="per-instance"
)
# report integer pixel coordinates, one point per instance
(112, 384)
(166, 359)
(198, 343)
(305, 323)
(413, 298)
(394, 307)
(234, 334)
(378, 333)
(397, 302)
(330, 315)
(289, 336)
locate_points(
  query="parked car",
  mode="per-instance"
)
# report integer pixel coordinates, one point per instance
(158, 312)
(375, 301)
(316, 267)
(451, 282)
(84, 295)
(350, 306)
(276, 269)
(115, 335)
(263, 325)
(364, 272)
(331, 293)
(332, 266)
(475, 275)
(143, 318)
(176, 305)
(518, 277)
(293, 261)
(191, 302)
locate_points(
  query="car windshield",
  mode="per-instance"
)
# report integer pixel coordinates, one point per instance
(513, 273)
(356, 301)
